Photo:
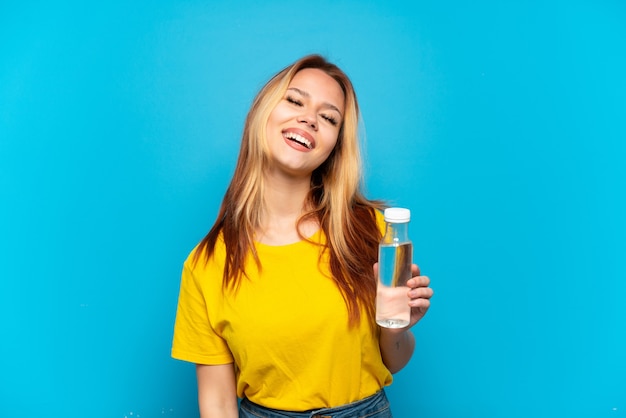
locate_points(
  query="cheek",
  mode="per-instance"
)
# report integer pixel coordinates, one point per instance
(332, 139)
(331, 143)
(271, 120)
(280, 113)
(274, 121)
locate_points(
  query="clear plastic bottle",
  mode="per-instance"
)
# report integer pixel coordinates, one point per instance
(395, 257)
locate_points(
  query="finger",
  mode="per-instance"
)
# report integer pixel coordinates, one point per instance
(420, 303)
(415, 270)
(421, 293)
(418, 281)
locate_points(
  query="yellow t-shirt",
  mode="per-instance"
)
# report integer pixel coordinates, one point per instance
(286, 329)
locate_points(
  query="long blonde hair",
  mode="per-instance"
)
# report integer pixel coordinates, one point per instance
(345, 216)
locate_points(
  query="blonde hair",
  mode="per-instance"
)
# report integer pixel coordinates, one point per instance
(335, 199)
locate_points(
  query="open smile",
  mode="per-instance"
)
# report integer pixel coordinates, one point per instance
(299, 139)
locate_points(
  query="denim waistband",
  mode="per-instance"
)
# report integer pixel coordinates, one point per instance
(375, 406)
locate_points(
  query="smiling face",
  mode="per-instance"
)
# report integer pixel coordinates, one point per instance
(302, 129)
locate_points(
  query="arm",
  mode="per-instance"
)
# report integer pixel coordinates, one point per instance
(397, 345)
(396, 348)
(217, 396)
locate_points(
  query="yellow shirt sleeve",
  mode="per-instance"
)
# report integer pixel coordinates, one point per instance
(195, 339)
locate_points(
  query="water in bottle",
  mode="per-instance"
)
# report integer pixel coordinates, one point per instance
(394, 270)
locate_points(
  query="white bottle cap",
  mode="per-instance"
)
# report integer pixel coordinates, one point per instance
(397, 215)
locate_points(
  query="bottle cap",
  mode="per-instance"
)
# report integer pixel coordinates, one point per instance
(397, 215)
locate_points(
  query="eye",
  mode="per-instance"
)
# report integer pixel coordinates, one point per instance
(293, 101)
(330, 119)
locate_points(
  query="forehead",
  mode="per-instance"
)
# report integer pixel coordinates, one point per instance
(319, 85)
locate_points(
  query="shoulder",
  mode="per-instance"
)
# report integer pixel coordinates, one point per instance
(380, 217)
(374, 212)
(201, 255)
(370, 213)
(380, 220)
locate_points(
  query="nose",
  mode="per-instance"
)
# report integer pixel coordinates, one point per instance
(309, 119)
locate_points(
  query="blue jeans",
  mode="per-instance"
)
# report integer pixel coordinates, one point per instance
(375, 406)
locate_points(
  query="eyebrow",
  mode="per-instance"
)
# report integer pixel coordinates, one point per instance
(306, 94)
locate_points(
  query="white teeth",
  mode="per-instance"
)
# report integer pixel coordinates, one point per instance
(298, 138)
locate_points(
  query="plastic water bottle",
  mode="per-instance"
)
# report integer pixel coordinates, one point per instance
(395, 257)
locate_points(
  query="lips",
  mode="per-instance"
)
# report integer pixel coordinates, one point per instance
(299, 137)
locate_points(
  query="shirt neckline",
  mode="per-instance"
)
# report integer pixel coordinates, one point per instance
(315, 238)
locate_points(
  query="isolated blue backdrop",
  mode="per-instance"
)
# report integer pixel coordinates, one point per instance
(500, 124)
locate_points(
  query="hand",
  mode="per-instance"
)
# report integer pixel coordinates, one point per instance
(419, 294)
(397, 344)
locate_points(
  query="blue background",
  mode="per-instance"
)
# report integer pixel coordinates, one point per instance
(500, 124)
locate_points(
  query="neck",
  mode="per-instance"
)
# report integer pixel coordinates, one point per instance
(284, 202)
